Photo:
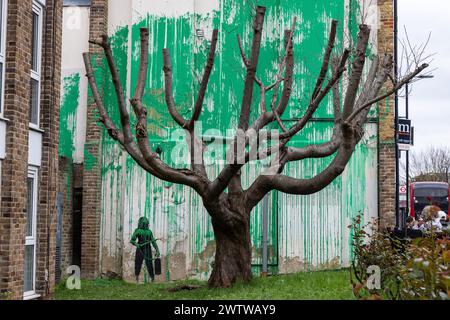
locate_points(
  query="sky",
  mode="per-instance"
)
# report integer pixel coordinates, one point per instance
(429, 101)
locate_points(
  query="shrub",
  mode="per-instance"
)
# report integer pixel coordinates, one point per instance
(372, 248)
(427, 274)
(408, 269)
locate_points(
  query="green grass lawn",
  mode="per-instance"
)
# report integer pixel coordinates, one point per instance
(323, 285)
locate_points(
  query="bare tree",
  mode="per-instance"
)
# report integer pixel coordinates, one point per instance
(224, 197)
(432, 164)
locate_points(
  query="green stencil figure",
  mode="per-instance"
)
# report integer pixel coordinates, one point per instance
(143, 240)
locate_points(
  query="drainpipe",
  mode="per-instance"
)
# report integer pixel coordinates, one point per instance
(265, 222)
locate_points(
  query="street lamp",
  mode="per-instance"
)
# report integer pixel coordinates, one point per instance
(407, 151)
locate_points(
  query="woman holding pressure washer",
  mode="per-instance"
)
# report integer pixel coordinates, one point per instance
(143, 240)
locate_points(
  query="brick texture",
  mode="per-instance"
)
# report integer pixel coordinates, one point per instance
(65, 184)
(70, 178)
(50, 101)
(15, 166)
(386, 173)
(92, 171)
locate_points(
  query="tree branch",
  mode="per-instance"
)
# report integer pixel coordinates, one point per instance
(106, 120)
(143, 66)
(315, 104)
(251, 69)
(148, 160)
(289, 75)
(124, 115)
(336, 92)
(104, 117)
(326, 59)
(399, 85)
(168, 76)
(204, 84)
(288, 86)
(266, 183)
(242, 51)
(357, 70)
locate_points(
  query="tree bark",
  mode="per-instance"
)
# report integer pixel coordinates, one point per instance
(233, 258)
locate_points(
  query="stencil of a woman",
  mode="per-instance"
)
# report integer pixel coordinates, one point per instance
(143, 240)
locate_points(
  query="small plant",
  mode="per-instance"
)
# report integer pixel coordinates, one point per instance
(374, 250)
(408, 269)
(6, 295)
(426, 275)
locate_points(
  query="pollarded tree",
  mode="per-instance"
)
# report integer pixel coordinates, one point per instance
(224, 198)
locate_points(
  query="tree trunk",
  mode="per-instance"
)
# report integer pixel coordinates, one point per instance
(233, 259)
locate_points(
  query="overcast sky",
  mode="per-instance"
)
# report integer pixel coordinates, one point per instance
(429, 102)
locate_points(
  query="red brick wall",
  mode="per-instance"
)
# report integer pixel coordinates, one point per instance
(92, 171)
(48, 182)
(65, 188)
(386, 126)
(15, 166)
(70, 178)
(50, 101)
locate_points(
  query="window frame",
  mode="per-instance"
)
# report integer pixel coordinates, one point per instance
(3, 31)
(36, 75)
(33, 173)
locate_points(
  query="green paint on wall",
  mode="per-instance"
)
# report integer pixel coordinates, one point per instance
(315, 224)
(68, 115)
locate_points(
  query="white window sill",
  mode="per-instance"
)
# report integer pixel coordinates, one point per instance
(4, 119)
(36, 128)
(32, 296)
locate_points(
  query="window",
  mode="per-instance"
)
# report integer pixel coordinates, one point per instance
(78, 3)
(3, 15)
(36, 52)
(30, 232)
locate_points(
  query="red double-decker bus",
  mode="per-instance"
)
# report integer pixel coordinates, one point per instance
(427, 193)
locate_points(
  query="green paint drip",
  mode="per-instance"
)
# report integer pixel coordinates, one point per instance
(68, 115)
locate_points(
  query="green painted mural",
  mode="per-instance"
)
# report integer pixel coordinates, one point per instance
(68, 115)
(308, 232)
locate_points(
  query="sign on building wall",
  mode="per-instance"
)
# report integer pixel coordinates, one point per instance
(405, 137)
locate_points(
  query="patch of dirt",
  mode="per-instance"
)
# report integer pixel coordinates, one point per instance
(184, 288)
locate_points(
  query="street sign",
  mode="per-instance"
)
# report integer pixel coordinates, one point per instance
(404, 131)
(402, 197)
(404, 147)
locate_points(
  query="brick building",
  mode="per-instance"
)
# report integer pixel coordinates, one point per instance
(30, 74)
